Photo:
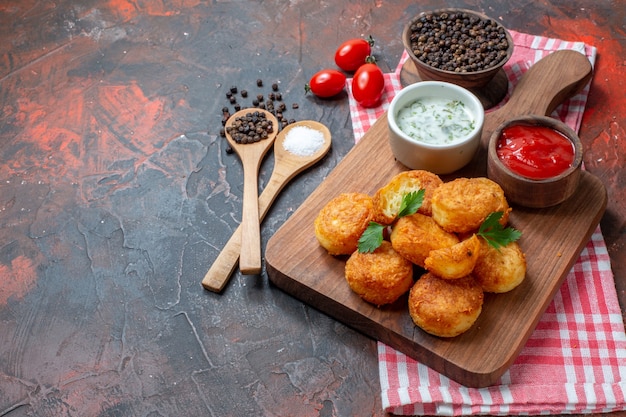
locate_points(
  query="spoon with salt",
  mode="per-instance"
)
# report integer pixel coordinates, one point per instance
(251, 155)
(287, 165)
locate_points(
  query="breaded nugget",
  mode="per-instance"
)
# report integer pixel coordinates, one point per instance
(500, 270)
(461, 205)
(455, 261)
(445, 308)
(342, 221)
(379, 277)
(387, 199)
(416, 235)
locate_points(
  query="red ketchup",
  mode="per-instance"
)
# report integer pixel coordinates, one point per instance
(535, 152)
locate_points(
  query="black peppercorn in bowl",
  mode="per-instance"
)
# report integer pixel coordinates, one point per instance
(458, 46)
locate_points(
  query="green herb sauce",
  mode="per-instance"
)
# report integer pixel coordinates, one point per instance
(436, 120)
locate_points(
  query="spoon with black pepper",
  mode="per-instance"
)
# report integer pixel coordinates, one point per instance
(286, 166)
(251, 133)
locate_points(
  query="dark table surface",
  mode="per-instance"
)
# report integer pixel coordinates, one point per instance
(117, 193)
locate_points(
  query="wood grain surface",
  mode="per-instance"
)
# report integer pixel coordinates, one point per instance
(552, 240)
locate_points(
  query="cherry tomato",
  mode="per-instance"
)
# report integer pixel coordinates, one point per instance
(368, 85)
(326, 83)
(353, 53)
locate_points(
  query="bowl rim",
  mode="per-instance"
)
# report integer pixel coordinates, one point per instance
(536, 120)
(407, 44)
(475, 134)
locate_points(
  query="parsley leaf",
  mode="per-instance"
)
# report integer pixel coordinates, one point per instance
(411, 202)
(372, 237)
(495, 234)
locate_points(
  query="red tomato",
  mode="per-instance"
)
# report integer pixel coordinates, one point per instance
(353, 53)
(326, 83)
(368, 85)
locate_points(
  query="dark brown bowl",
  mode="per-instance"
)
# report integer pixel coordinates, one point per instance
(469, 79)
(535, 193)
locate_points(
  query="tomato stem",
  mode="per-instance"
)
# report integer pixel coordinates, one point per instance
(370, 59)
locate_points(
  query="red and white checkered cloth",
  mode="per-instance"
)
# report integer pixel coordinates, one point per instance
(575, 361)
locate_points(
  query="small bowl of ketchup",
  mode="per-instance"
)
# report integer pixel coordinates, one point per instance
(536, 160)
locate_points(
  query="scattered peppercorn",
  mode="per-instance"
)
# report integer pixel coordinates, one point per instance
(272, 103)
(458, 42)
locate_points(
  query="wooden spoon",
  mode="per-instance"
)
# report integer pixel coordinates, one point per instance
(251, 155)
(286, 166)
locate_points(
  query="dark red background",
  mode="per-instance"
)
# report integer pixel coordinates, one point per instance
(116, 194)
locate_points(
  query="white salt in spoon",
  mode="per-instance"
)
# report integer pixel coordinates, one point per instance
(286, 166)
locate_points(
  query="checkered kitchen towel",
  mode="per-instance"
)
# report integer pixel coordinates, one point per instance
(575, 361)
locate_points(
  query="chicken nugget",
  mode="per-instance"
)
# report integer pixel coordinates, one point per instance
(461, 205)
(455, 261)
(414, 236)
(445, 308)
(500, 270)
(379, 277)
(387, 200)
(341, 222)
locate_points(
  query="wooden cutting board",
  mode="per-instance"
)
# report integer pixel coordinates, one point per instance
(552, 240)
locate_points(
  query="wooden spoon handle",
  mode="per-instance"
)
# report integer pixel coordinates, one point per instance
(250, 258)
(224, 265)
(226, 262)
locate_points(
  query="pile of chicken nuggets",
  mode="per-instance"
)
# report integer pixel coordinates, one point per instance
(438, 244)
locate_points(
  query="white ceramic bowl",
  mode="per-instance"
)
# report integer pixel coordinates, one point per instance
(437, 158)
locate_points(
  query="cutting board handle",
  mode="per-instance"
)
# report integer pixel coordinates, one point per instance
(548, 83)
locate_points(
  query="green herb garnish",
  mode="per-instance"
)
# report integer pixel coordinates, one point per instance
(411, 202)
(495, 234)
(372, 237)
